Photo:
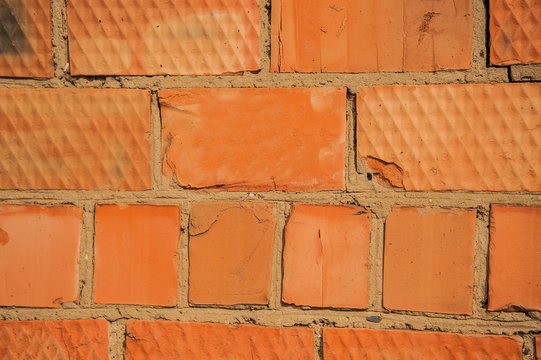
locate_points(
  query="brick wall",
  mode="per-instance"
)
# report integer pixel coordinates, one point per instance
(285, 179)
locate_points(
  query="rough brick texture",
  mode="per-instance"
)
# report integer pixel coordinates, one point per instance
(231, 252)
(136, 254)
(74, 139)
(452, 137)
(515, 258)
(326, 256)
(39, 250)
(428, 260)
(233, 139)
(48, 340)
(199, 341)
(350, 344)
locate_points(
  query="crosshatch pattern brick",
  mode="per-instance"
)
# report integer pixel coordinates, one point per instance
(270, 179)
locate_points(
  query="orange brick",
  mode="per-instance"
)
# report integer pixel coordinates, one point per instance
(136, 254)
(25, 38)
(515, 32)
(255, 139)
(75, 139)
(428, 260)
(39, 251)
(331, 36)
(71, 339)
(137, 37)
(231, 251)
(349, 344)
(166, 340)
(515, 258)
(452, 137)
(326, 256)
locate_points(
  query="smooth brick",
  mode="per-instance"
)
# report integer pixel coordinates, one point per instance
(514, 258)
(515, 32)
(75, 139)
(39, 251)
(350, 344)
(231, 252)
(478, 137)
(203, 341)
(365, 36)
(138, 37)
(428, 260)
(136, 254)
(326, 256)
(44, 340)
(288, 139)
(25, 38)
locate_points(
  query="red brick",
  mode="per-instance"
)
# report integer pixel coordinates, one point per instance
(25, 38)
(350, 344)
(331, 36)
(135, 37)
(165, 340)
(71, 339)
(428, 260)
(255, 139)
(75, 139)
(39, 251)
(514, 258)
(231, 251)
(452, 137)
(326, 256)
(515, 32)
(136, 254)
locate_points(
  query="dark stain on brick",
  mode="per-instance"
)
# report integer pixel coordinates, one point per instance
(12, 37)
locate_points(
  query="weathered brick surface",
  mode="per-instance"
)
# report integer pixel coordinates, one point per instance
(350, 344)
(138, 37)
(515, 258)
(74, 139)
(231, 252)
(136, 254)
(48, 340)
(255, 139)
(326, 256)
(330, 36)
(39, 250)
(428, 260)
(452, 137)
(202, 341)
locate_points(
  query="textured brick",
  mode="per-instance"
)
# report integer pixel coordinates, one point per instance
(515, 32)
(136, 254)
(255, 139)
(326, 256)
(428, 260)
(44, 340)
(141, 37)
(39, 251)
(452, 137)
(515, 258)
(350, 344)
(75, 139)
(331, 36)
(202, 341)
(25, 38)
(231, 251)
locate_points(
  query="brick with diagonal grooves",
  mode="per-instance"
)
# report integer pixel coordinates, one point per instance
(166, 340)
(75, 139)
(26, 38)
(478, 137)
(54, 340)
(515, 32)
(352, 344)
(141, 37)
